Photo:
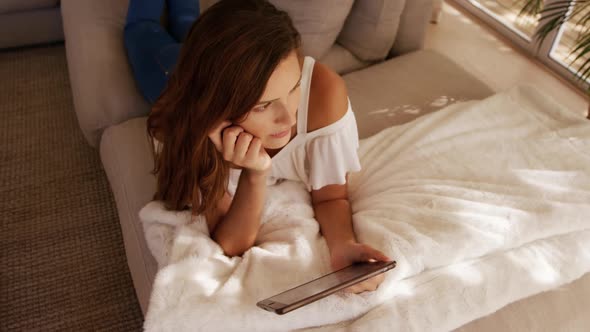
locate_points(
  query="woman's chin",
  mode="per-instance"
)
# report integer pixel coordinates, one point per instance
(274, 144)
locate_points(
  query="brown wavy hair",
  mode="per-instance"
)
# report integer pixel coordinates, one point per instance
(225, 62)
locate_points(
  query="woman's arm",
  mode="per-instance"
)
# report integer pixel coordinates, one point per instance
(327, 104)
(333, 213)
(236, 231)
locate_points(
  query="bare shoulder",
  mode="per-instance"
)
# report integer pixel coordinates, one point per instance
(328, 97)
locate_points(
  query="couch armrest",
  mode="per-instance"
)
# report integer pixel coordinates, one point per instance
(30, 27)
(127, 159)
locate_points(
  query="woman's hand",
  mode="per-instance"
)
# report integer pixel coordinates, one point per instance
(240, 148)
(348, 253)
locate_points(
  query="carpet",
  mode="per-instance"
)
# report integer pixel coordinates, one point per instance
(62, 260)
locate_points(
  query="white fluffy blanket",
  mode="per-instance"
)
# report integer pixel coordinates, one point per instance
(482, 203)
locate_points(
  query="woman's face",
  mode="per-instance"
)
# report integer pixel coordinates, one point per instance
(273, 117)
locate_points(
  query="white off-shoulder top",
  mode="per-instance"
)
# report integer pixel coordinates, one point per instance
(318, 158)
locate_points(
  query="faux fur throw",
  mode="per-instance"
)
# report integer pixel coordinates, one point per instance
(482, 203)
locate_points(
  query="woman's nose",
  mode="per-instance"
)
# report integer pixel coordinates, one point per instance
(284, 114)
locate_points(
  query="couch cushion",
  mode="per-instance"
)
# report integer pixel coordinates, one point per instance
(127, 159)
(9, 6)
(401, 89)
(370, 29)
(103, 86)
(342, 61)
(319, 22)
(412, 27)
(564, 308)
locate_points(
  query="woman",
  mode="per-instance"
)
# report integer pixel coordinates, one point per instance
(243, 109)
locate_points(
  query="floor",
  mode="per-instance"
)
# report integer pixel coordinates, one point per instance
(61, 249)
(493, 60)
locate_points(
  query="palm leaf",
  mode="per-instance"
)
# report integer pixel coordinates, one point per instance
(583, 45)
(531, 7)
(555, 15)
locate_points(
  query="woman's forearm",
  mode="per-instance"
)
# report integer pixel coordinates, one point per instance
(335, 219)
(237, 230)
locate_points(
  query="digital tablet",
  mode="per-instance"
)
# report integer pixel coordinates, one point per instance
(323, 286)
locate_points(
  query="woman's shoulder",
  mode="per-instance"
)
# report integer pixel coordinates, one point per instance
(328, 98)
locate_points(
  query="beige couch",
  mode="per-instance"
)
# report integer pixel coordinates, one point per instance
(28, 22)
(377, 49)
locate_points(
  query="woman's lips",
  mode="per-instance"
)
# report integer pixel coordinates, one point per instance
(281, 134)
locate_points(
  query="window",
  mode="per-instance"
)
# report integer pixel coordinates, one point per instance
(555, 52)
(506, 13)
(561, 50)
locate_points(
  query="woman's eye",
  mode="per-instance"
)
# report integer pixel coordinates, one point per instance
(265, 106)
(261, 108)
